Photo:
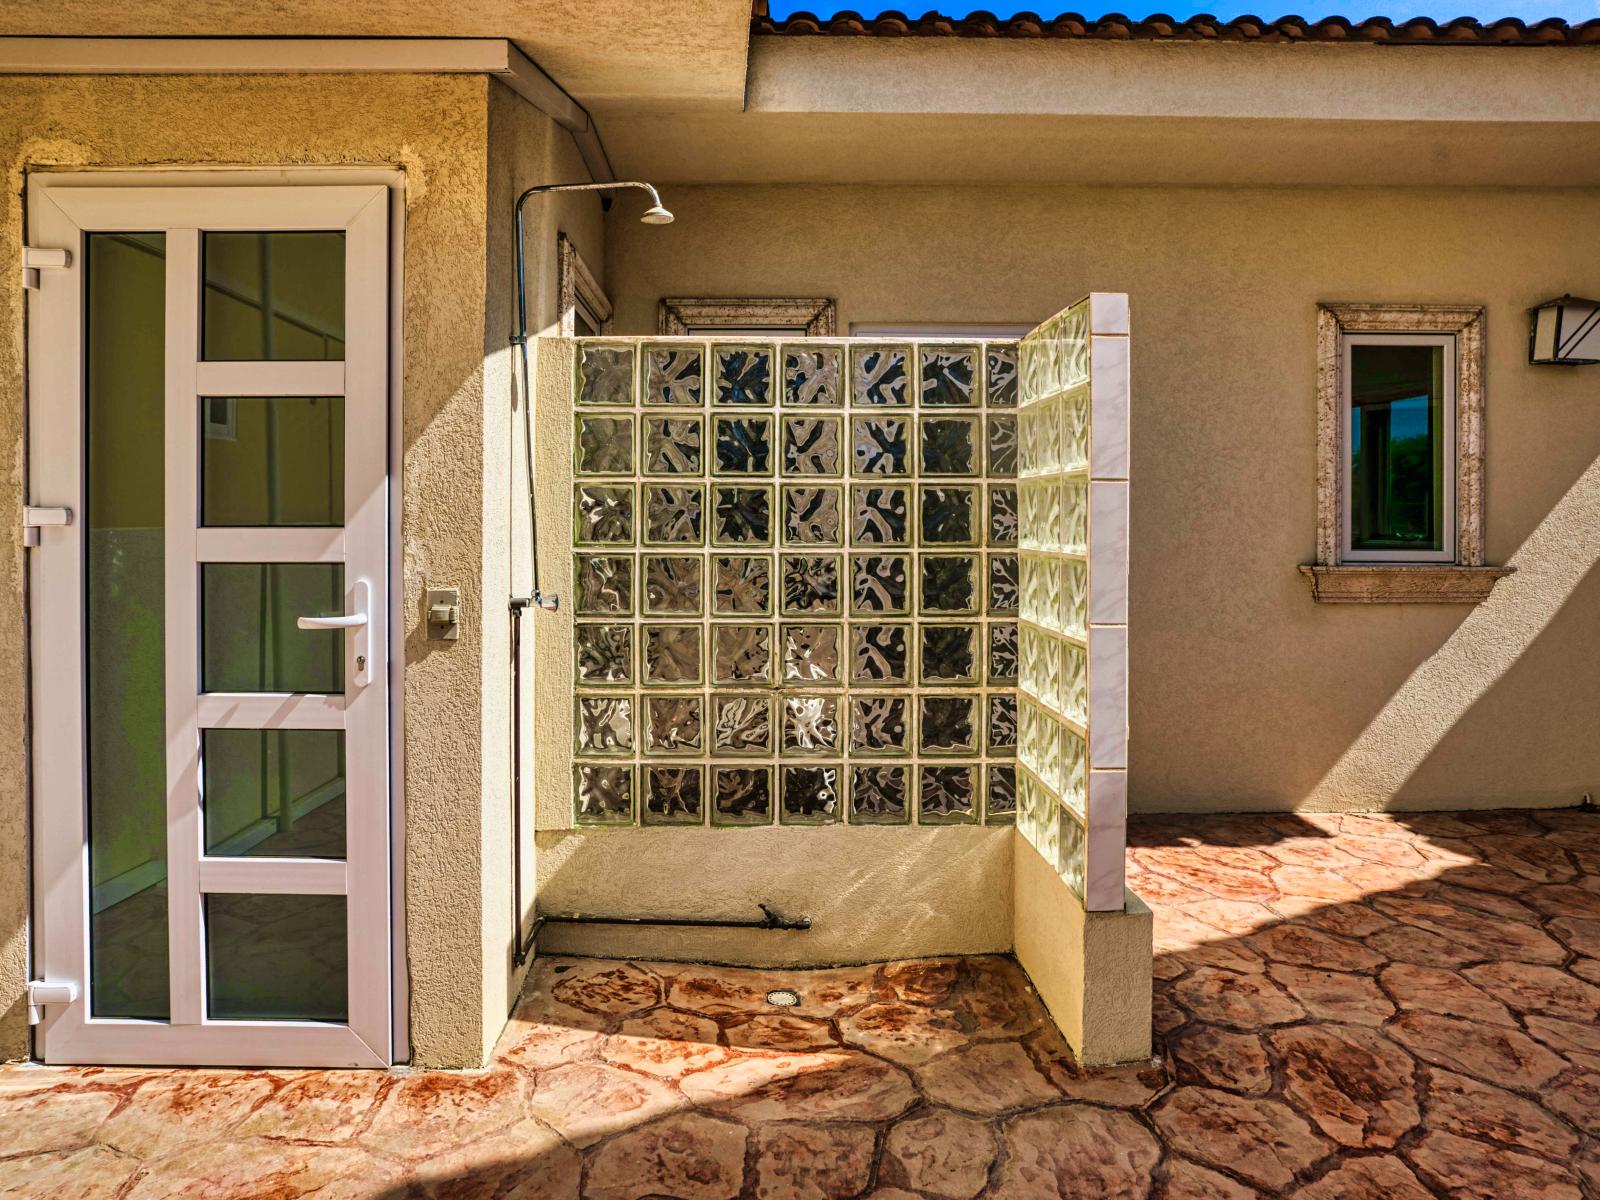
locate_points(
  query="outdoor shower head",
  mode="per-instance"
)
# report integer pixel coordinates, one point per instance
(656, 215)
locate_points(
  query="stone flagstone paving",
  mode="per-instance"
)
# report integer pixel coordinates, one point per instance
(1347, 1008)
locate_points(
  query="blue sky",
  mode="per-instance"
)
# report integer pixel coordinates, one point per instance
(1440, 10)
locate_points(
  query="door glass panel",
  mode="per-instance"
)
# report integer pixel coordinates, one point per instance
(274, 793)
(1396, 447)
(275, 460)
(124, 597)
(249, 642)
(276, 958)
(273, 296)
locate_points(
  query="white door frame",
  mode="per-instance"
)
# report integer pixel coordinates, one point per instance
(61, 209)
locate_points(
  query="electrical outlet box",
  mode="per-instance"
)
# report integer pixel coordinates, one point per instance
(444, 614)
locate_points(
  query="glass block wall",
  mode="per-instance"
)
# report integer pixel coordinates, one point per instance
(796, 582)
(1072, 716)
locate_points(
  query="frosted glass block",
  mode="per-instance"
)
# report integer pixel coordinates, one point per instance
(1074, 496)
(1072, 347)
(1075, 429)
(604, 724)
(1052, 686)
(1031, 650)
(1069, 852)
(1054, 516)
(1030, 369)
(1073, 596)
(810, 795)
(1074, 676)
(1046, 837)
(1034, 502)
(1030, 735)
(1073, 765)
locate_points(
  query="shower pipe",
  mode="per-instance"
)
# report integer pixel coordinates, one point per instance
(656, 214)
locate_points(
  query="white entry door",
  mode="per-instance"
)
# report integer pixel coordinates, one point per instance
(208, 382)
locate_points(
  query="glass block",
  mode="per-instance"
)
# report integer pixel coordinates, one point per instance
(743, 584)
(672, 445)
(274, 793)
(880, 795)
(811, 446)
(882, 445)
(1003, 722)
(1004, 593)
(743, 724)
(810, 724)
(949, 375)
(741, 653)
(947, 795)
(1002, 445)
(673, 724)
(743, 516)
(604, 725)
(603, 514)
(743, 795)
(1075, 518)
(880, 516)
(880, 583)
(949, 653)
(949, 515)
(673, 515)
(810, 653)
(880, 724)
(1070, 853)
(744, 375)
(1033, 516)
(671, 654)
(948, 724)
(810, 584)
(950, 583)
(1039, 439)
(674, 375)
(276, 296)
(1003, 521)
(743, 446)
(605, 584)
(1003, 665)
(880, 375)
(276, 957)
(1075, 429)
(950, 445)
(1038, 817)
(1074, 761)
(674, 796)
(1074, 682)
(812, 375)
(270, 460)
(1074, 597)
(1000, 802)
(604, 653)
(810, 795)
(605, 374)
(880, 654)
(1039, 587)
(1001, 367)
(672, 584)
(605, 445)
(247, 607)
(603, 794)
(811, 516)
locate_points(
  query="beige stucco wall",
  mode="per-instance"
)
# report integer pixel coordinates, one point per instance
(455, 442)
(1245, 694)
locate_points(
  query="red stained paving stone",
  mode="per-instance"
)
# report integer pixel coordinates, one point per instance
(324, 1106)
(1346, 920)
(1355, 1084)
(1432, 989)
(1406, 943)
(1526, 988)
(1568, 1037)
(664, 1043)
(1265, 1141)
(985, 1079)
(261, 1168)
(536, 1045)
(524, 1161)
(928, 981)
(1307, 947)
(1467, 1170)
(53, 1121)
(905, 1033)
(1487, 1052)
(1582, 934)
(779, 1031)
(1233, 917)
(1077, 1153)
(174, 1110)
(1227, 998)
(1534, 858)
(610, 988)
(1188, 1181)
(1492, 903)
(1197, 945)
(429, 1112)
(1229, 883)
(585, 1102)
(1576, 1096)
(1471, 1108)
(1334, 995)
(1381, 1177)
(93, 1173)
(836, 1086)
(940, 1153)
(1565, 900)
(1222, 1058)
(795, 1161)
(691, 1157)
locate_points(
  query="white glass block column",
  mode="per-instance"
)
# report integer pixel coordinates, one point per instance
(1073, 641)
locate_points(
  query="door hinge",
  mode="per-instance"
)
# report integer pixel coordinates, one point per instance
(41, 992)
(35, 519)
(38, 258)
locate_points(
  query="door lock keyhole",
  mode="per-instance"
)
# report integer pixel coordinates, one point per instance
(361, 662)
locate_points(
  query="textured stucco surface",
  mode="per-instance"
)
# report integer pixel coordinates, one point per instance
(1244, 694)
(435, 130)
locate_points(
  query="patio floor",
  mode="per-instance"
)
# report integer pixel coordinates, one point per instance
(1346, 1007)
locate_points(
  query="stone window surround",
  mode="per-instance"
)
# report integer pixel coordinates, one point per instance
(812, 316)
(577, 288)
(1467, 580)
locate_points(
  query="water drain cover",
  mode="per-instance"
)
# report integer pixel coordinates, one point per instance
(783, 997)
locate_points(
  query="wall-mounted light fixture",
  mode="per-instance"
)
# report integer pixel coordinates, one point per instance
(1565, 331)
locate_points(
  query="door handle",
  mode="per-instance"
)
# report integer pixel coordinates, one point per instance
(358, 623)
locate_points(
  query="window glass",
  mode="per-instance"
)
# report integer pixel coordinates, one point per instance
(273, 296)
(1397, 446)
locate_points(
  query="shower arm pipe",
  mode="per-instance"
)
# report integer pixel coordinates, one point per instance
(656, 214)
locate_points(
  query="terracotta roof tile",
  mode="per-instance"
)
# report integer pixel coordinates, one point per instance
(1420, 31)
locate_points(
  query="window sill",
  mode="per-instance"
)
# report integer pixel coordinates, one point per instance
(1371, 583)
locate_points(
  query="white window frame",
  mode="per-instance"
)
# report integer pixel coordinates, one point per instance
(1447, 430)
(60, 206)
